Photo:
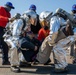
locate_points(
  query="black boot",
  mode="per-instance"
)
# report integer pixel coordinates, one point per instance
(74, 61)
(25, 64)
(15, 69)
(35, 62)
(61, 70)
(47, 62)
(5, 63)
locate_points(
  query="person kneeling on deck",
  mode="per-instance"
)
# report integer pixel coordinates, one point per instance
(61, 36)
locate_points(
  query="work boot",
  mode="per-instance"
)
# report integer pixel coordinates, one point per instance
(35, 62)
(61, 70)
(74, 61)
(5, 63)
(47, 62)
(25, 64)
(15, 69)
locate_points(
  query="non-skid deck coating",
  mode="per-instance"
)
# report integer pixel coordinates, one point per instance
(39, 69)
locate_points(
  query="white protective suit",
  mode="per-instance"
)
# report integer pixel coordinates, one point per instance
(75, 21)
(58, 48)
(13, 41)
(73, 46)
(16, 31)
(60, 51)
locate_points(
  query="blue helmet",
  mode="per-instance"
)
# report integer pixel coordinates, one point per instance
(32, 7)
(10, 5)
(74, 7)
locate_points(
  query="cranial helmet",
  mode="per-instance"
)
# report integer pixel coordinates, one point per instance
(45, 15)
(74, 7)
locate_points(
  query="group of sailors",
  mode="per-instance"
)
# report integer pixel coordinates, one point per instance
(55, 33)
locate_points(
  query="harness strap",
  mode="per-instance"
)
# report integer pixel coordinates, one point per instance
(24, 24)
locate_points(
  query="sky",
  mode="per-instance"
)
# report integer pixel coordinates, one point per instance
(42, 5)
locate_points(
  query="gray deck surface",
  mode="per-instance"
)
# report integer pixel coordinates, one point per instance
(39, 69)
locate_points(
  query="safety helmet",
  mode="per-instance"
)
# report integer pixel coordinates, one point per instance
(61, 13)
(32, 7)
(74, 7)
(45, 15)
(28, 15)
(10, 5)
(31, 14)
(59, 10)
(17, 15)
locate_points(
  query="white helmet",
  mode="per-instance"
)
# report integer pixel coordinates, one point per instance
(45, 15)
(59, 10)
(30, 14)
(17, 15)
(61, 13)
